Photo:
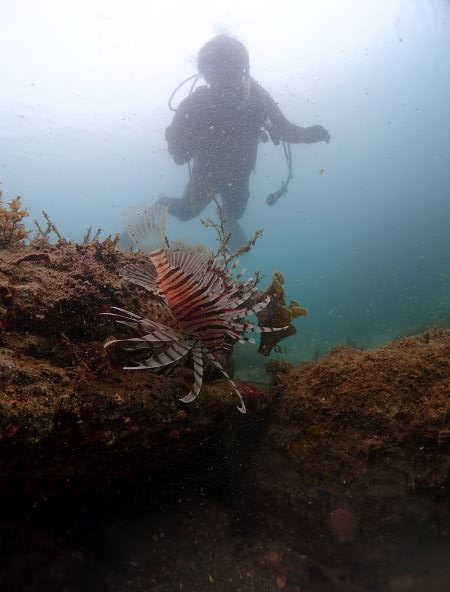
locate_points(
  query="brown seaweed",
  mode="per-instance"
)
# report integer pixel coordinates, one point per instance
(12, 229)
(277, 314)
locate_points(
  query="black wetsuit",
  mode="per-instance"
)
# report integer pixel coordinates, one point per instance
(220, 129)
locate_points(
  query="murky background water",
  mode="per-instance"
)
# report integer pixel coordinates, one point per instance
(362, 238)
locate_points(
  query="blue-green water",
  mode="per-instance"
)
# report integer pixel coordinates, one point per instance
(362, 237)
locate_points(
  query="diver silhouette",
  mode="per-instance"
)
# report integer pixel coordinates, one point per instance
(218, 127)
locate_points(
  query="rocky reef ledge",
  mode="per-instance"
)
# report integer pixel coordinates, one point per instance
(344, 465)
(377, 421)
(357, 456)
(70, 417)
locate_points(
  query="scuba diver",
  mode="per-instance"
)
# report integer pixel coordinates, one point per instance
(218, 127)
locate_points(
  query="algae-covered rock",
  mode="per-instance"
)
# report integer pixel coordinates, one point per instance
(382, 413)
(354, 469)
(70, 417)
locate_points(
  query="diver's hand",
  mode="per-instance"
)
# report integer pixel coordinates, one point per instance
(315, 133)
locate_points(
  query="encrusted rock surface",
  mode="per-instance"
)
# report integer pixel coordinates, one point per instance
(377, 420)
(70, 417)
(339, 480)
(354, 470)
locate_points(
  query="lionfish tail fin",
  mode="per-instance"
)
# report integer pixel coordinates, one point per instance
(146, 226)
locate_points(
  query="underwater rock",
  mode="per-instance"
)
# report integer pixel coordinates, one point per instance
(342, 523)
(70, 417)
(357, 455)
(377, 419)
(342, 470)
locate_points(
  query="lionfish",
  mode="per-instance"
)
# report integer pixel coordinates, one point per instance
(199, 308)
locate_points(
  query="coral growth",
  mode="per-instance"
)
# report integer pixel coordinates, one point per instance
(277, 314)
(12, 229)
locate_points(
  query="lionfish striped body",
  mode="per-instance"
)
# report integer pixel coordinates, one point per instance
(201, 309)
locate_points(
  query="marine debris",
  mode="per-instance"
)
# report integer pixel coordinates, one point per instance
(12, 229)
(277, 314)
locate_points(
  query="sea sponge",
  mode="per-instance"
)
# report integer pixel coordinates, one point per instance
(12, 230)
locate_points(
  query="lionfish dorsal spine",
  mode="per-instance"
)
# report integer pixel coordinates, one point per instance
(146, 226)
(165, 358)
(142, 274)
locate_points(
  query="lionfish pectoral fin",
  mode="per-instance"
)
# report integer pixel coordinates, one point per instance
(146, 226)
(241, 407)
(247, 326)
(198, 376)
(167, 357)
(123, 313)
(214, 362)
(245, 339)
(241, 313)
(189, 398)
(136, 340)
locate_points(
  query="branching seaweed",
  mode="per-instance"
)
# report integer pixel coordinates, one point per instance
(224, 238)
(92, 251)
(87, 237)
(12, 230)
(107, 244)
(50, 228)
